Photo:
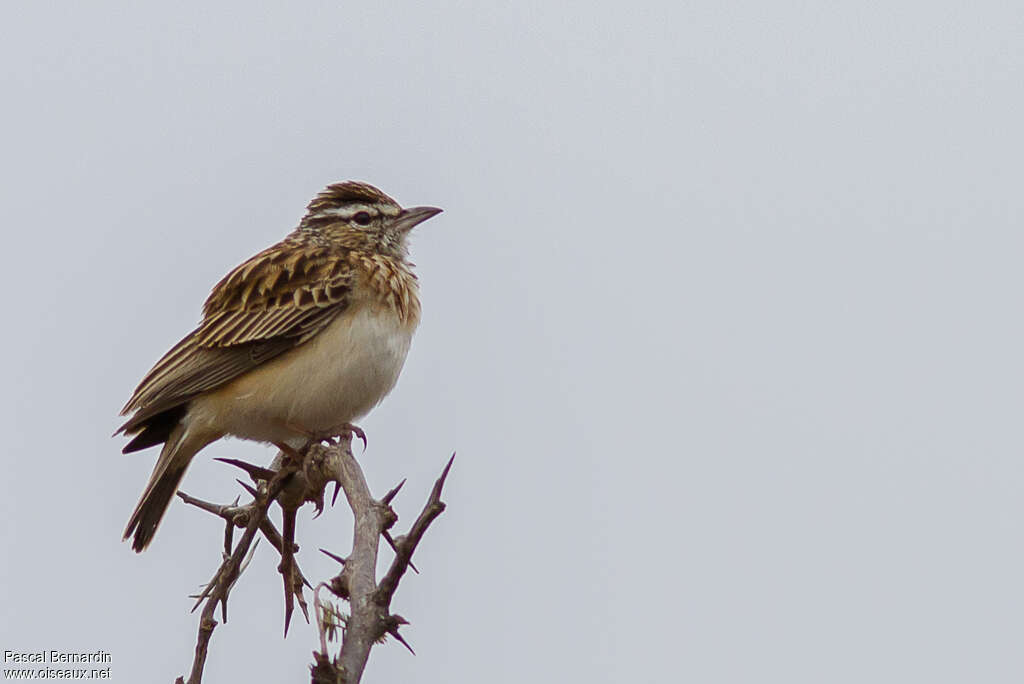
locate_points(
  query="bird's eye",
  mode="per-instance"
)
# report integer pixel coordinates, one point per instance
(362, 218)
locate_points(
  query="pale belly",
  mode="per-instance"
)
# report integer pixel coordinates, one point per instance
(332, 379)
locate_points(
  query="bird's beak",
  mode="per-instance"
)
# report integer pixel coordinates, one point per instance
(413, 216)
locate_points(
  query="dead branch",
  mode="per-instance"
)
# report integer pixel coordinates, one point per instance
(231, 567)
(370, 619)
(292, 481)
(405, 546)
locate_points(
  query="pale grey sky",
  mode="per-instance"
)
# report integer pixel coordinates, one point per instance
(722, 318)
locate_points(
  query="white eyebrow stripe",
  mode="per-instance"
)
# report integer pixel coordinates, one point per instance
(348, 211)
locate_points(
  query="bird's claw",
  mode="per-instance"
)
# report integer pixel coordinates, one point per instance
(343, 430)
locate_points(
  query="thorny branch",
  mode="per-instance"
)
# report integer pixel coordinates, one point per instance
(370, 619)
(216, 592)
(292, 481)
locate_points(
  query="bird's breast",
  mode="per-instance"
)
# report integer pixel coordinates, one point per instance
(350, 366)
(334, 378)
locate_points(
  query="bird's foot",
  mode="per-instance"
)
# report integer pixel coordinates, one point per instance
(344, 430)
(330, 436)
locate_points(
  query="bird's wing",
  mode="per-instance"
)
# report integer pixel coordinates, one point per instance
(273, 302)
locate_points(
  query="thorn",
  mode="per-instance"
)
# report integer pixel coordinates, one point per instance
(394, 547)
(288, 565)
(331, 555)
(337, 488)
(392, 623)
(448, 466)
(251, 490)
(302, 599)
(255, 472)
(391, 494)
(203, 594)
(435, 494)
(403, 641)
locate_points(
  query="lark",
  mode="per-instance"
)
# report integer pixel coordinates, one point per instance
(295, 344)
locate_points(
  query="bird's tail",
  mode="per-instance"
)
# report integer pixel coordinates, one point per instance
(174, 459)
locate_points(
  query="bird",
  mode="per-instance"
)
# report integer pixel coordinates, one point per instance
(294, 345)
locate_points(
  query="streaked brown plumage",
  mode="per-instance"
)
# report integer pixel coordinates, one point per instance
(302, 338)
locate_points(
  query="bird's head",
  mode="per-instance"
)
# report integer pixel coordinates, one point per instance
(357, 215)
